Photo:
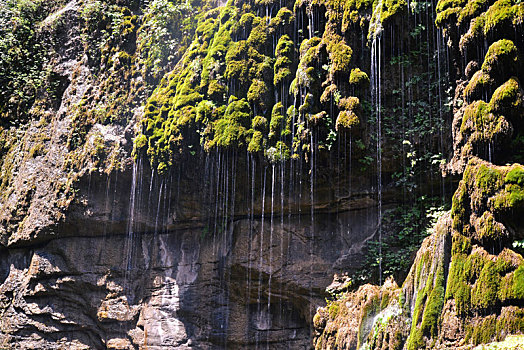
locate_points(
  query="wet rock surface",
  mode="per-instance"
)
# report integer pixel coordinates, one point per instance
(178, 289)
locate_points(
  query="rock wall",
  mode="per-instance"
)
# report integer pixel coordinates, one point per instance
(192, 175)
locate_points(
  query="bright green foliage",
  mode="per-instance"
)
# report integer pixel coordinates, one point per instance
(258, 94)
(488, 229)
(258, 38)
(500, 63)
(283, 18)
(23, 55)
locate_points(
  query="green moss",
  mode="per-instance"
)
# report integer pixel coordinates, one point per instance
(502, 57)
(515, 176)
(487, 180)
(283, 18)
(307, 72)
(140, 143)
(204, 111)
(284, 55)
(428, 307)
(483, 331)
(457, 287)
(358, 78)
(479, 83)
(448, 16)
(307, 105)
(503, 15)
(237, 66)
(232, 129)
(434, 306)
(518, 283)
(256, 142)
(340, 57)
(258, 93)
(472, 9)
(259, 123)
(459, 207)
(507, 99)
(512, 197)
(486, 288)
(258, 37)
(349, 104)
(389, 9)
(489, 229)
(277, 121)
(354, 12)
(216, 91)
(347, 120)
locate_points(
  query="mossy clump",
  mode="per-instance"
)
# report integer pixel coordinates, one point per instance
(256, 143)
(502, 57)
(389, 9)
(258, 37)
(502, 16)
(481, 127)
(511, 198)
(259, 94)
(448, 11)
(500, 63)
(259, 123)
(283, 18)
(478, 85)
(340, 56)
(488, 230)
(347, 120)
(484, 294)
(232, 129)
(507, 99)
(284, 56)
(358, 78)
(460, 207)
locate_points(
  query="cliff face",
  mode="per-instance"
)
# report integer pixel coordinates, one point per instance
(465, 285)
(180, 175)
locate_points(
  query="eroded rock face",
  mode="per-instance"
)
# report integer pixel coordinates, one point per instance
(176, 288)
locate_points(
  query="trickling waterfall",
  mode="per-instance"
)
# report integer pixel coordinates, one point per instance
(376, 84)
